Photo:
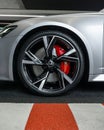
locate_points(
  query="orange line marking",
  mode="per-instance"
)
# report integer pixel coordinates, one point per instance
(51, 117)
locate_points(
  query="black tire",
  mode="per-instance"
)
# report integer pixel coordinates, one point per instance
(39, 66)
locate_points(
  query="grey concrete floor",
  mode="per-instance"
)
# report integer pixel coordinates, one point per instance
(14, 116)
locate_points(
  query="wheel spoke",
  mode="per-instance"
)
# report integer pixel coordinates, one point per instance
(74, 59)
(54, 52)
(34, 58)
(66, 77)
(45, 40)
(70, 52)
(67, 54)
(61, 80)
(42, 81)
(68, 58)
(27, 62)
(50, 47)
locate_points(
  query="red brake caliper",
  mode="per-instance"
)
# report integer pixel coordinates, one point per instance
(64, 65)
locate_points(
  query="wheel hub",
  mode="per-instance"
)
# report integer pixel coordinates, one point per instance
(50, 64)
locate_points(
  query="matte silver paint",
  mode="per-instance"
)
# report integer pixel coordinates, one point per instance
(89, 27)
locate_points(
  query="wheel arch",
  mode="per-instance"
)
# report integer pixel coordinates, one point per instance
(76, 36)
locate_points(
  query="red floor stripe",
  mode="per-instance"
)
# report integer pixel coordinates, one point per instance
(51, 117)
(103, 104)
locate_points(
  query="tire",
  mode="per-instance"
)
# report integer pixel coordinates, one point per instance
(50, 63)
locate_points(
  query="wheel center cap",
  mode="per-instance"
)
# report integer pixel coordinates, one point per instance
(50, 63)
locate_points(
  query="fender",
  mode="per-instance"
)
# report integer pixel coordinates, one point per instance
(49, 23)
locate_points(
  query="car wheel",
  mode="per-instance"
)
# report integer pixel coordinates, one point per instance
(50, 63)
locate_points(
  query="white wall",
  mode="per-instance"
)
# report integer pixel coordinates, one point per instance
(16, 4)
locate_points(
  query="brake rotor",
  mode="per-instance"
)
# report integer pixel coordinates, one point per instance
(64, 65)
(38, 70)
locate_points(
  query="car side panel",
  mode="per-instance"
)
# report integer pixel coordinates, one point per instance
(88, 27)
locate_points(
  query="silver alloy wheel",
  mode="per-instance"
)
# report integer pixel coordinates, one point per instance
(41, 65)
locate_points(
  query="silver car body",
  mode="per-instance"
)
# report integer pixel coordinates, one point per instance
(89, 27)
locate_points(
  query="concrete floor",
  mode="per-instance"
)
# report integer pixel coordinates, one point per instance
(51, 116)
(14, 116)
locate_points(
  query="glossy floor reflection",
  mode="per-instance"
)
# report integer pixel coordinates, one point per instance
(90, 93)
